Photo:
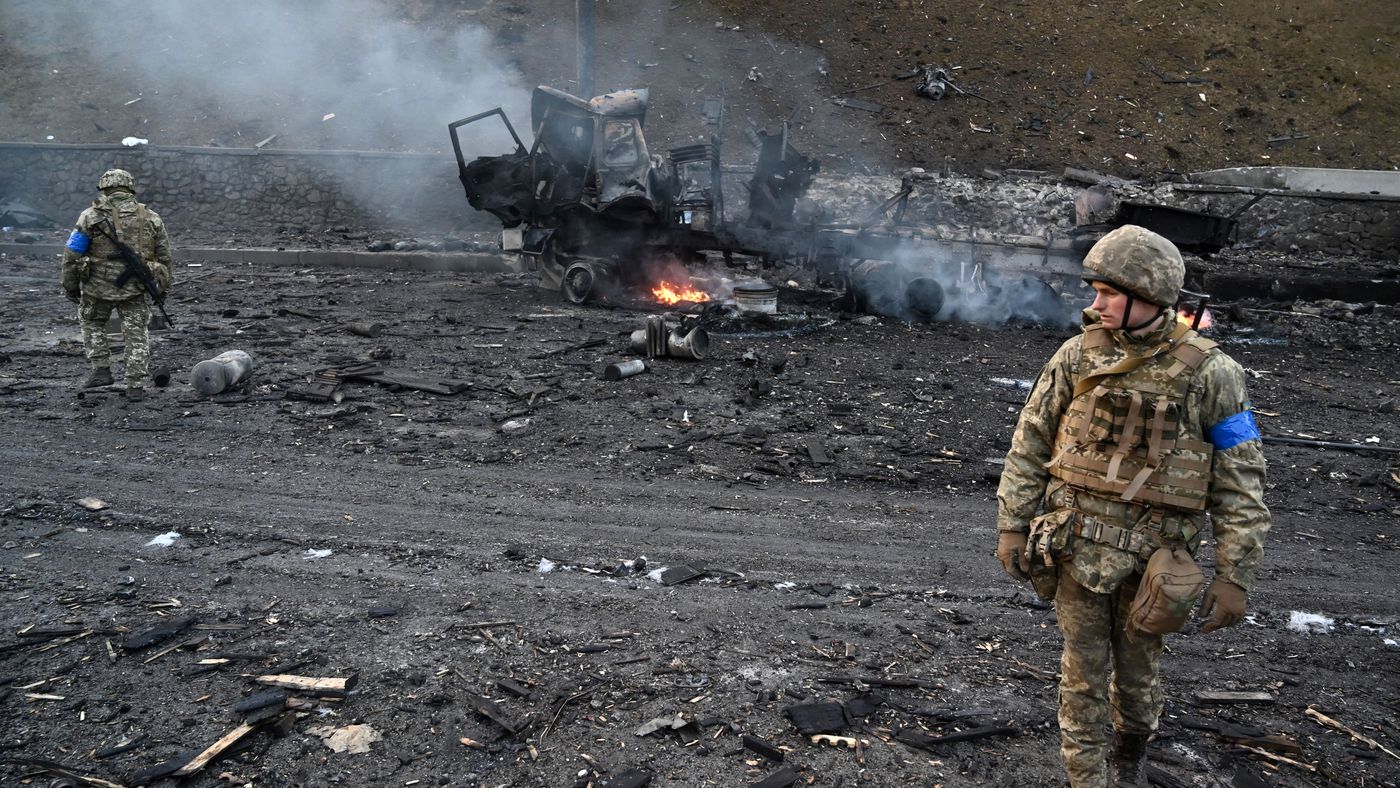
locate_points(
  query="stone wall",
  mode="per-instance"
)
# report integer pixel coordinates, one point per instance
(244, 189)
(248, 190)
(1282, 221)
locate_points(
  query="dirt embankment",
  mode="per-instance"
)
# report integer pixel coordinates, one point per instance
(1133, 89)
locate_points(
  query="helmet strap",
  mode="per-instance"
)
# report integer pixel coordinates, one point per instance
(1128, 310)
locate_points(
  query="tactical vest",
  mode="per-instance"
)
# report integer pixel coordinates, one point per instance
(1125, 435)
(130, 222)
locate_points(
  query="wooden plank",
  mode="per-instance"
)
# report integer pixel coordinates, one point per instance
(1205, 697)
(310, 685)
(212, 751)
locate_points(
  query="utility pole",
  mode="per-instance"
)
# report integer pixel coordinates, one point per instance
(585, 48)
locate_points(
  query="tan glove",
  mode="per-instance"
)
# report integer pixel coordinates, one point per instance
(1011, 551)
(1223, 603)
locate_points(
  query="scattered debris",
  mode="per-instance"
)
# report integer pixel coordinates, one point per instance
(1331, 723)
(164, 540)
(762, 747)
(820, 717)
(350, 739)
(232, 369)
(624, 369)
(1208, 697)
(1310, 623)
(923, 741)
(158, 633)
(782, 778)
(680, 573)
(861, 104)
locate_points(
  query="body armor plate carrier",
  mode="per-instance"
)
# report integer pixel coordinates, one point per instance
(1124, 436)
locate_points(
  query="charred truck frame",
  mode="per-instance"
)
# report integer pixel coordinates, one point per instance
(600, 213)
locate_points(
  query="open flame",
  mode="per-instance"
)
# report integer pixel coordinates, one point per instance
(1187, 317)
(668, 293)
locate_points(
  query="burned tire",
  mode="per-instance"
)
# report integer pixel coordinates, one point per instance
(580, 283)
(924, 298)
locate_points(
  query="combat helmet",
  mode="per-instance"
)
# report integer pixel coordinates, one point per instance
(1138, 263)
(116, 179)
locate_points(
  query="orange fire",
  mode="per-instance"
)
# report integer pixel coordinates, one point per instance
(1186, 317)
(668, 293)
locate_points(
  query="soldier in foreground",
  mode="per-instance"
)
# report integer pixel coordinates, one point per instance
(99, 277)
(1133, 432)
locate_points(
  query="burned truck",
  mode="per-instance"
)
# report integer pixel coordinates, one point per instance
(600, 212)
(601, 215)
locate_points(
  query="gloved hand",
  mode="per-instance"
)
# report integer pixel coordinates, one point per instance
(75, 296)
(1223, 604)
(1011, 550)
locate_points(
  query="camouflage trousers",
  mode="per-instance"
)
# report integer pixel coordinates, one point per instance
(1095, 643)
(93, 314)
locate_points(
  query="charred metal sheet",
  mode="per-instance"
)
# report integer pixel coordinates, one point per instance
(1191, 231)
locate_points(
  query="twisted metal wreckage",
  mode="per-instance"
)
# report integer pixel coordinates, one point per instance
(600, 215)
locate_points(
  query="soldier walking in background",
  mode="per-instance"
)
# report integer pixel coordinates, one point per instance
(1133, 432)
(98, 278)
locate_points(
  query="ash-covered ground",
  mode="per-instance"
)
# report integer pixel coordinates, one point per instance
(505, 569)
(502, 567)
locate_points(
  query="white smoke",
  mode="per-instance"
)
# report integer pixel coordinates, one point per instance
(256, 68)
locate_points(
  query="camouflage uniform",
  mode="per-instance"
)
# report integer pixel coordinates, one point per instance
(91, 268)
(1094, 581)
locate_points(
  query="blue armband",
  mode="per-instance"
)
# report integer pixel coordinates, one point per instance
(1233, 431)
(79, 243)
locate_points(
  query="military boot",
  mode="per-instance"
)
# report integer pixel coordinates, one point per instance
(135, 394)
(1128, 762)
(99, 376)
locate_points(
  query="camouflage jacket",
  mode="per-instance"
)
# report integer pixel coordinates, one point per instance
(89, 263)
(1215, 401)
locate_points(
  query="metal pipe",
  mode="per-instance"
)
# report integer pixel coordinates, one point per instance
(585, 48)
(229, 369)
(1332, 444)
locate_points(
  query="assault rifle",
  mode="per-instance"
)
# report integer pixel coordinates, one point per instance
(136, 267)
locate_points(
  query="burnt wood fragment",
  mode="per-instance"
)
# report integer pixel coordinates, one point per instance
(163, 769)
(514, 687)
(488, 709)
(782, 778)
(262, 700)
(65, 772)
(923, 741)
(862, 705)
(126, 746)
(820, 717)
(875, 681)
(679, 574)
(762, 747)
(158, 633)
(632, 778)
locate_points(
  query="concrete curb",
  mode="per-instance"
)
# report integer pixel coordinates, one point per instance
(462, 262)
